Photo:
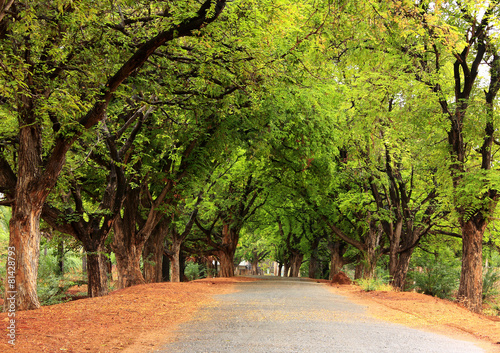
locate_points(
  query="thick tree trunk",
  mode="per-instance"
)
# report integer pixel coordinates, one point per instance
(127, 254)
(153, 255)
(313, 266)
(337, 250)
(96, 274)
(372, 253)
(24, 224)
(400, 272)
(296, 262)
(359, 271)
(394, 245)
(471, 278)
(25, 245)
(96, 268)
(369, 266)
(230, 237)
(226, 259)
(128, 268)
(255, 268)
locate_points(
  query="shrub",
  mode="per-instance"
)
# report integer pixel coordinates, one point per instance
(439, 280)
(379, 283)
(51, 287)
(192, 271)
(491, 279)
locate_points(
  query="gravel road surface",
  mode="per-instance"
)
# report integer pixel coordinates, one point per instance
(293, 315)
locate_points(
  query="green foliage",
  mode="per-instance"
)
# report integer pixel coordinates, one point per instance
(379, 282)
(439, 279)
(194, 271)
(52, 287)
(5, 214)
(491, 282)
(374, 284)
(4, 243)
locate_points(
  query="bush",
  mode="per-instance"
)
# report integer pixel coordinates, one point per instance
(439, 280)
(192, 271)
(380, 282)
(491, 279)
(51, 287)
(373, 284)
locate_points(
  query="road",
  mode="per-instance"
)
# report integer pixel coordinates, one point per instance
(293, 315)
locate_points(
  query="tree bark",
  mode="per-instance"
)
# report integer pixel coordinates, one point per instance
(153, 254)
(337, 250)
(128, 256)
(96, 273)
(24, 224)
(295, 263)
(359, 271)
(25, 242)
(255, 267)
(227, 249)
(175, 262)
(471, 277)
(226, 259)
(286, 269)
(398, 280)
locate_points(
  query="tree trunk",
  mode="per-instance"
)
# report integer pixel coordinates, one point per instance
(165, 268)
(400, 272)
(286, 269)
(153, 255)
(471, 277)
(175, 262)
(24, 224)
(372, 253)
(359, 271)
(25, 244)
(128, 268)
(226, 259)
(127, 254)
(313, 265)
(96, 274)
(394, 244)
(337, 250)
(255, 267)
(296, 262)
(230, 237)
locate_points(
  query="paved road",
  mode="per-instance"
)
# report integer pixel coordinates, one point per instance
(292, 315)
